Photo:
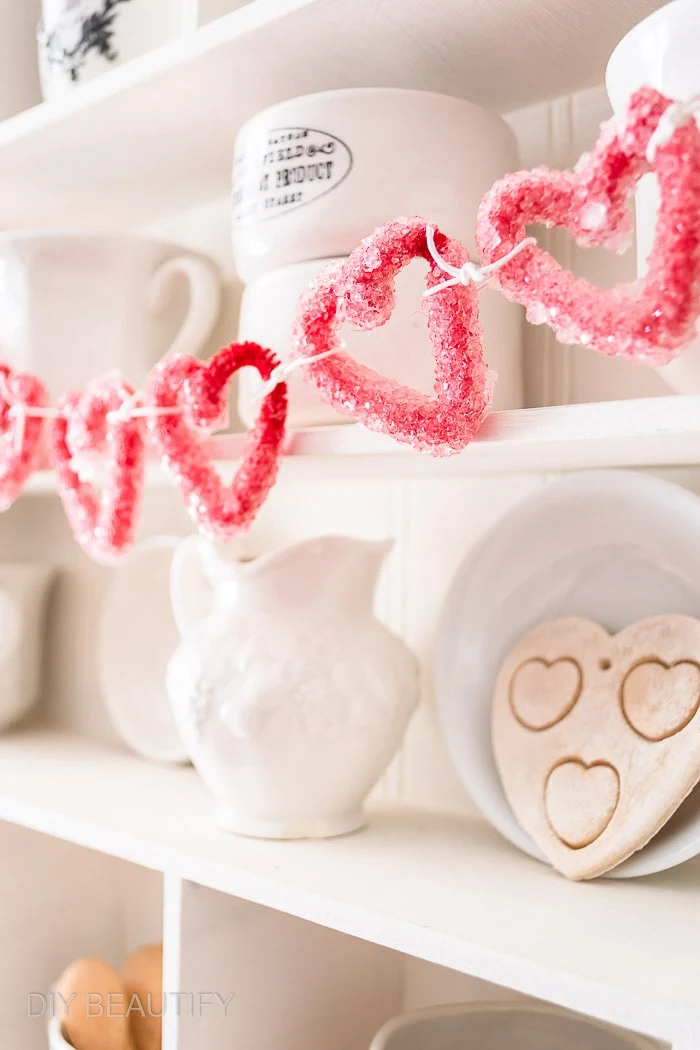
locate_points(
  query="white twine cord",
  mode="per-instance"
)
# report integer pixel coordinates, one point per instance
(469, 272)
(131, 408)
(279, 374)
(672, 118)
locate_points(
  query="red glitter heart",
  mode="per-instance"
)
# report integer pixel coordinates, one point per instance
(360, 292)
(199, 391)
(103, 522)
(20, 436)
(648, 320)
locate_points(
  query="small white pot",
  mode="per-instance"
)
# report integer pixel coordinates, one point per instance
(290, 697)
(314, 175)
(661, 51)
(73, 306)
(399, 349)
(57, 1040)
(81, 39)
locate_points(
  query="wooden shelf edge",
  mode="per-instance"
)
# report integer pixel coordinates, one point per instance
(610, 434)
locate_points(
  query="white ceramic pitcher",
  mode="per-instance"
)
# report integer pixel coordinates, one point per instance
(24, 588)
(290, 697)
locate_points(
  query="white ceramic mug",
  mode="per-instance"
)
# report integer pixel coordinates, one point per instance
(24, 588)
(73, 306)
(80, 39)
(314, 175)
(399, 349)
(661, 51)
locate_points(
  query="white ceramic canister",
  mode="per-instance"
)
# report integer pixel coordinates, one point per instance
(314, 175)
(661, 51)
(81, 39)
(73, 306)
(400, 348)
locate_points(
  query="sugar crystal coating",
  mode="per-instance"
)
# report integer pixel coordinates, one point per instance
(647, 321)
(20, 438)
(198, 391)
(360, 292)
(103, 518)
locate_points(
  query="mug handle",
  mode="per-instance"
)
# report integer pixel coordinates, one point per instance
(205, 300)
(10, 624)
(192, 592)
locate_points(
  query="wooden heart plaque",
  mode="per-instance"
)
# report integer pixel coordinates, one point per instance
(597, 737)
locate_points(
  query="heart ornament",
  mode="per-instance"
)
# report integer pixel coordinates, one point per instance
(21, 433)
(649, 320)
(187, 399)
(94, 432)
(597, 737)
(360, 292)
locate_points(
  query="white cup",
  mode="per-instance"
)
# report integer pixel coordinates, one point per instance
(314, 175)
(399, 349)
(80, 39)
(73, 306)
(661, 51)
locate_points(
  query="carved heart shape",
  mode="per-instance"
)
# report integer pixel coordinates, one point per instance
(647, 321)
(103, 521)
(190, 397)
(660, 699)
(592, 775)
(580, 800)
(542, 693)
(360, 292)
(20, 436)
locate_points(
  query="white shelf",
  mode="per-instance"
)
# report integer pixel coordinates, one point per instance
(662, 431)
(442, 888)
(157, 134)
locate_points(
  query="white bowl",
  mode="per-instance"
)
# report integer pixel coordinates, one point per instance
(502, 1026)
(314, 175)
(661, 51)
(611, 546)
(400, 349)
(57, 1040)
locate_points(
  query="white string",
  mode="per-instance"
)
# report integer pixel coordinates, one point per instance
(672, 118)
(133, 408)
(21, 412)
(469, 272)
(280, 373)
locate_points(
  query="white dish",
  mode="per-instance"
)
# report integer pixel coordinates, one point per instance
(137, 637)
(313, 175)
(612, 546)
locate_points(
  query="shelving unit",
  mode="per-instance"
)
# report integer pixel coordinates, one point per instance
(124, 850)
(121, 152)
(437, 887)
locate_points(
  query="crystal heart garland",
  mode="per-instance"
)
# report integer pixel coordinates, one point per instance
(22, 398)
(97, 425)
(645, 321)
(196, 392)
(360, 292)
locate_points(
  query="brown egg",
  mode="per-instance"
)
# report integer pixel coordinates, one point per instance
(142, 977)
(93, 1007)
